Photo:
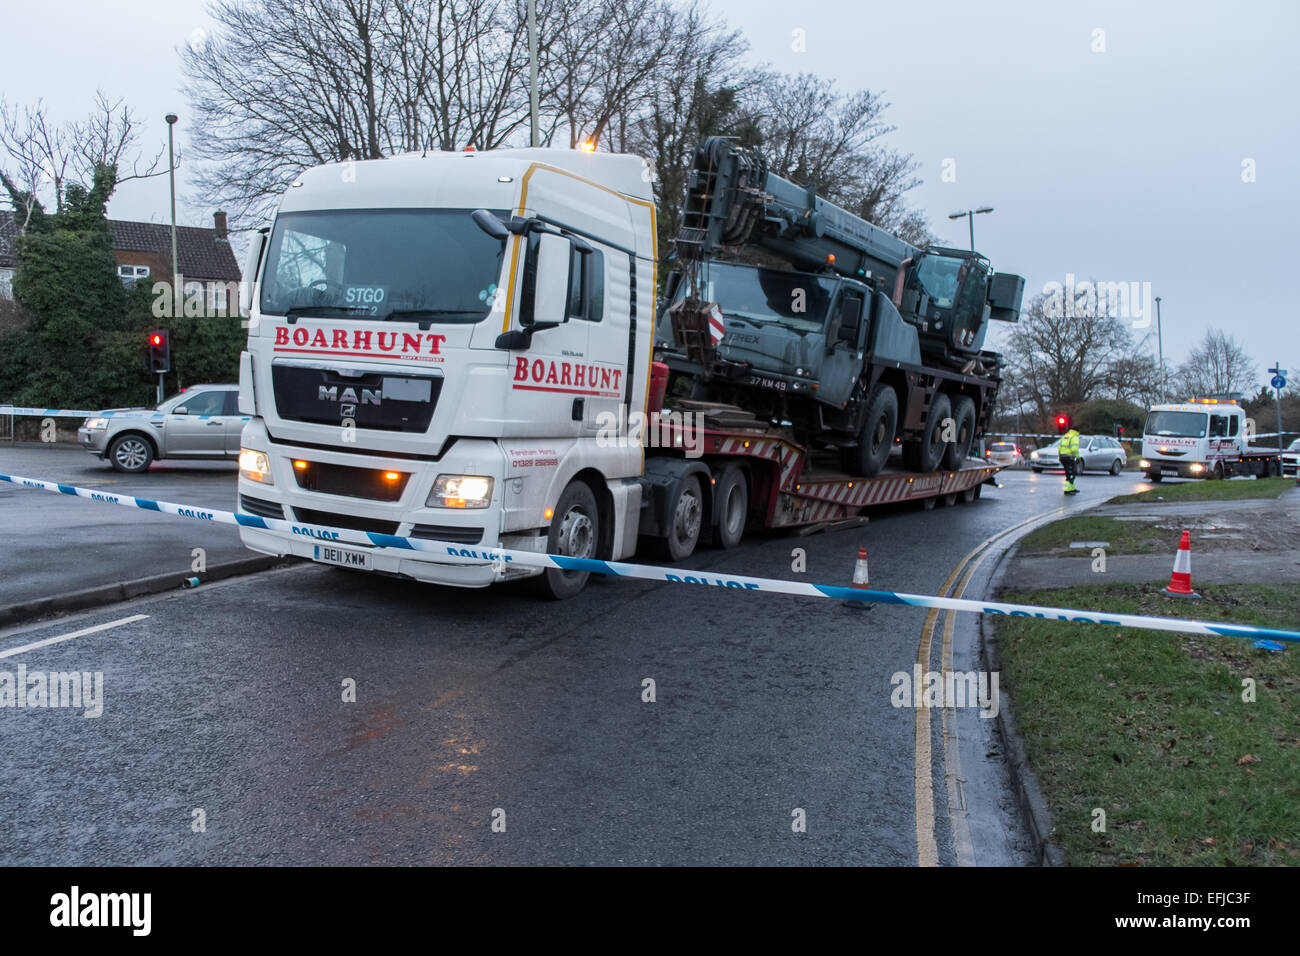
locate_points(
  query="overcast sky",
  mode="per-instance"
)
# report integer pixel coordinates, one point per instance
(1121, 166)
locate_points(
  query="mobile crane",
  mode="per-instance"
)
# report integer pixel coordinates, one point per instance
(857, 340)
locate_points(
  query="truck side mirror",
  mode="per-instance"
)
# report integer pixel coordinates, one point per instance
(548, 277)
(252, 261)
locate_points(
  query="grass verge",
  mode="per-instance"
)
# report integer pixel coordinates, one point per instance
(1212, 490)
(1122, 537)
(1152, 727)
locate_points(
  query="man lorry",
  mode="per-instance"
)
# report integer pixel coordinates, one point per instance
(1203, 438)
(458, 347)
(853, 338)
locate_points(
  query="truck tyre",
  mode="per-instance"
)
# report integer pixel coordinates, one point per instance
(877, 435)
(731, 506)
(130, 453)
(574, 531)
(685, 519)
(925, 454)
(970, 494)
(963, 417)
(1217, 473)
(1155, 476)
(1116, 467)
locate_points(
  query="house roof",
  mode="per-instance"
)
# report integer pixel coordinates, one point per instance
(202, 255)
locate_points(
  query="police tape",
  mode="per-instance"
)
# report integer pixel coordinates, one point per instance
(500, 558)
(51, 412)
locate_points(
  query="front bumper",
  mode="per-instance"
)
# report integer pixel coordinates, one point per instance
(1180, 469)
(471, 532)
(93, 440)
(1291, 467)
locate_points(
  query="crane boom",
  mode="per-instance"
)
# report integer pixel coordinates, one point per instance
(732, 200)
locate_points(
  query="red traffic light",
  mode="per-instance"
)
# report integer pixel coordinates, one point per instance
(155, 339)
(1060, 420)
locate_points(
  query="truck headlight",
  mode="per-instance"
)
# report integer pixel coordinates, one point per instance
(1033, 454)
(96, 424)
(255, 466)
(1144, 463)
(460, 491)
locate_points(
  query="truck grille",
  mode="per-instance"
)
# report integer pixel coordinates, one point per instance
(260, 507)
(445, 532)
(377, 400)
(372, 483)
(353, 522)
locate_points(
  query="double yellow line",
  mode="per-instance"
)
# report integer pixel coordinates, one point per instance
(927, 851)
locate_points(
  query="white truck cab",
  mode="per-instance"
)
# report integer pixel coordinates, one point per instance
(1202, 438)
(436, 342)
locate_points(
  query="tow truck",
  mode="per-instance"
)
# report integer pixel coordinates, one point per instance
(459, 347)
(1203, 438)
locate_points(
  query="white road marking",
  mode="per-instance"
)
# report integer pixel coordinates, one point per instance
(67, 637)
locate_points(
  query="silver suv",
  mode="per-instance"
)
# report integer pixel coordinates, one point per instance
(201, 422)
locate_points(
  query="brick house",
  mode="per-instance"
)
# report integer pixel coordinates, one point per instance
(143, 251)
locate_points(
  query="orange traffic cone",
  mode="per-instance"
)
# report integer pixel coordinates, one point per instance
(1180, 582)
(860, 579)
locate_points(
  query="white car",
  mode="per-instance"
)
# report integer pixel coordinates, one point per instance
(1005, 453)
(1291, 460)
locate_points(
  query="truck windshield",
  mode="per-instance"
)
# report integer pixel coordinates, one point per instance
(938, 278)
(1176, 424)
(404, 264)
(796, 300)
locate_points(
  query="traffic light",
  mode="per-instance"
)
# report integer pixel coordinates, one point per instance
(160, 351)
(1119, 431)
(1062, 424)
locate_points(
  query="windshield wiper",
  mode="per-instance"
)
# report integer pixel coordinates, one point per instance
(300, 310)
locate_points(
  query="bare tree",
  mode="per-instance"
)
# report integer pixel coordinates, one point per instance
(38, 159)
(1063, 359)
(1217, 366)
(43, 157)
(110, 137)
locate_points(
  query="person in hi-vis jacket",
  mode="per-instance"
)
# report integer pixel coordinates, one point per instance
(1069, 455)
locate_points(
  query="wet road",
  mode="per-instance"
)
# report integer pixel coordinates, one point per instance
(491, 727)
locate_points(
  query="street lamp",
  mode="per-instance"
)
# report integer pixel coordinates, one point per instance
(176, 267)
(533, 137)
(1160, 344)
(970, 219)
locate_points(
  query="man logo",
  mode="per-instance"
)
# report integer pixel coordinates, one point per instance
(347, 411)
(330, 393)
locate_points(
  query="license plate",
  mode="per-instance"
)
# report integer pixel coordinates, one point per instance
(343, 557)
(763, 381)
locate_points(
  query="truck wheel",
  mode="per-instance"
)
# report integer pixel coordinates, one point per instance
(731, 506)
(949, 500)
(970, 494)
(1116, 467)
(927, 504)
(1217, 473)
(685, 519)
(1155, 477)
(963, 417)
(130, 453)
(574, 531)
(877, 435)
(925, 454)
